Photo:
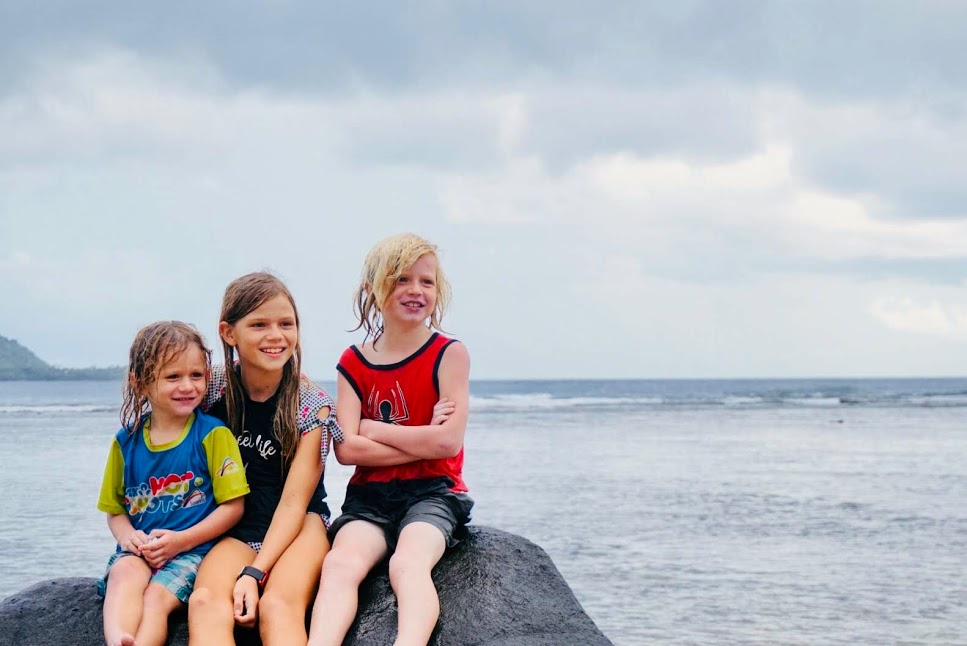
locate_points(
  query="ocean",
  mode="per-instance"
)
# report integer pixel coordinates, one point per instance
(820, 511)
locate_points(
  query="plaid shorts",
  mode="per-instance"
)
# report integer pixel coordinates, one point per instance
(177, 575)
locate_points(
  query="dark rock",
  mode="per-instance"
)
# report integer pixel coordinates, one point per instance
(496, 589)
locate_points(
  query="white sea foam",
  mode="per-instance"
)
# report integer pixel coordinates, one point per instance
(939, 400)
(742, 401)
(813, 401)
(543, 401)
(547, 401)
(54, 409)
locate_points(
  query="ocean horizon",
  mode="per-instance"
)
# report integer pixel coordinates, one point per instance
(680, 511)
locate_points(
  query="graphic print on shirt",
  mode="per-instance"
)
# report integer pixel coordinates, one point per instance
(164, 494)
(390, 408)
(264, 447)
(228, 467)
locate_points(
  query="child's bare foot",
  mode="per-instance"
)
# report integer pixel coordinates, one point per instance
(124, 640)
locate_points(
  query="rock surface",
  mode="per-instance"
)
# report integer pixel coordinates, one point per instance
(496, 589)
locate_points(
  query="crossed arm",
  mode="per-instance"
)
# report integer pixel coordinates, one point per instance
(372, 443)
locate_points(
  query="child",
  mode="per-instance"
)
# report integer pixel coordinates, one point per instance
(402, 403)
(283, 447)
(173, 483)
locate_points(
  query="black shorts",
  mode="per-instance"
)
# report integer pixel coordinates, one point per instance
(394, 505)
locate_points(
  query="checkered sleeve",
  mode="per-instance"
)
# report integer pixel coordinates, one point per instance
(216, 387)
(313, 399)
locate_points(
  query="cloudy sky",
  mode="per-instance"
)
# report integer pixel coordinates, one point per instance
(641, 189)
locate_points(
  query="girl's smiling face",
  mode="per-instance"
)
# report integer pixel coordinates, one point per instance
(266, 337)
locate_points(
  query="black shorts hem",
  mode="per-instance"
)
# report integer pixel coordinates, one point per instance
(394, 505)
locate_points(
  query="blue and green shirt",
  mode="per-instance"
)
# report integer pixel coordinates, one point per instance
(175, 485)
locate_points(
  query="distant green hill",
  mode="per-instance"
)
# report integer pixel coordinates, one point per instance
(17, 362)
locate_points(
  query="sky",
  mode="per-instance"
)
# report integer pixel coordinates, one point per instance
(617, 190)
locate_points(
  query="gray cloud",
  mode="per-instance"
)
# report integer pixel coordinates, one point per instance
(864, 48)
(770, 172)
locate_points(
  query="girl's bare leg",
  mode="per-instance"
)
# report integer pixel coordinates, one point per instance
(211, 617)
(124, 599)
(292, 586)
(420, 547)
(359, 546)
(159, 603)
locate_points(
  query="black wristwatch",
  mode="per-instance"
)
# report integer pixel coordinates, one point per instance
(256, 574)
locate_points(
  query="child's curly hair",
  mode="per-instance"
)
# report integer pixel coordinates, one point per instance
(153, 347)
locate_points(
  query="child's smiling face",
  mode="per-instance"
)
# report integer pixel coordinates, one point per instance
(266, 337)
(415, 295)
(180, 384)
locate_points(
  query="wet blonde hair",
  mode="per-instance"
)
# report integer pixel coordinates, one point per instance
(243, 296)
(153, 348)
(382, 268)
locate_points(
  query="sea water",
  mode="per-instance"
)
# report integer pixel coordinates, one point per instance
(680, 512)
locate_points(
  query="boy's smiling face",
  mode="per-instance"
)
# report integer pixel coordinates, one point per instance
(180, 384)
(414, 297)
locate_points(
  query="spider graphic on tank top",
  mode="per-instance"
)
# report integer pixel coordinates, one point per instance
(391, 408)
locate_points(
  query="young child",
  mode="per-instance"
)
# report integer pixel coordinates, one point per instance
(402, 399)
(173, 483)
(283, 430)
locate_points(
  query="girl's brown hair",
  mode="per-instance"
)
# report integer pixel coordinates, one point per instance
(243, 296)
(383, 266)
(153, 347)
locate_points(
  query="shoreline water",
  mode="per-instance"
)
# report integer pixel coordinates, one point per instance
(680, 513)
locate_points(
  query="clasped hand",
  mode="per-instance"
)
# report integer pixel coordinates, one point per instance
(157, 548)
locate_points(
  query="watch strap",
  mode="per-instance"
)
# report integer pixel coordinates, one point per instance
(256, 574)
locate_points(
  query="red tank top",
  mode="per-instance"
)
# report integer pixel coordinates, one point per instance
(404, 394)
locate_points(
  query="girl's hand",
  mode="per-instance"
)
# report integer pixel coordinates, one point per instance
(134, 542)
(246, 601)
(442, 411)
(162, 546)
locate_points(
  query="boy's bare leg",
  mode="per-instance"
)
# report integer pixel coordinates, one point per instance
(359, 546)
(292, 586)
(124, 599)
(420, 547)
(211, 615)
(159, 603)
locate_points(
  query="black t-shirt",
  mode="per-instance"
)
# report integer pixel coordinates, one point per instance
(262, 457)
